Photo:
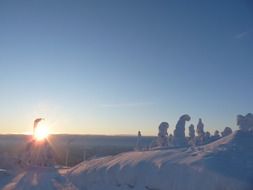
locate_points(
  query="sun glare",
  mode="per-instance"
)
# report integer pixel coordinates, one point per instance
(41, 132)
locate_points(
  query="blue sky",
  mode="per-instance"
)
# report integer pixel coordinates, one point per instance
(116, 67)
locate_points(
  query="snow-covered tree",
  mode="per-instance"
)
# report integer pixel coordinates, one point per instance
(200, 132)
(191, 131)
(179, 132)
(138, 142)
(216, 136)
(192, 139)
(245, 123)
(207, 137)
(37, 152)
(162, 140)
(200, 128)
(227, 131)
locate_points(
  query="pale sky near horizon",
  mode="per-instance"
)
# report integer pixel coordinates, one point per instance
(116, 67)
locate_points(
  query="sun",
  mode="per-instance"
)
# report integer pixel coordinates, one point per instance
(41, 132)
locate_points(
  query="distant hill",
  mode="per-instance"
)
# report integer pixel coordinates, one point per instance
(89, 140)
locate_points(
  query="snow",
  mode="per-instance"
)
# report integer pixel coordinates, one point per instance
(213, 166)
(225, 164)
(38, 178)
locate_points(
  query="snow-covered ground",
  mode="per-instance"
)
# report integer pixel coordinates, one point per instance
(223, 164)
(37, 178)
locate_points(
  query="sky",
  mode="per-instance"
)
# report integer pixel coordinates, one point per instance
(116, 67)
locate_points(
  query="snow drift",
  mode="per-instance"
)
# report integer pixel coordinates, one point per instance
(223, 164)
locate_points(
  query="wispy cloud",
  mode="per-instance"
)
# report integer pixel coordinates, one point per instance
(242, 35)
(128, 105)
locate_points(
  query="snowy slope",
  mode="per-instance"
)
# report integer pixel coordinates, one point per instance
(224, 164)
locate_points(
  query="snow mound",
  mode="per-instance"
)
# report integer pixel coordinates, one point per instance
(224, 164)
